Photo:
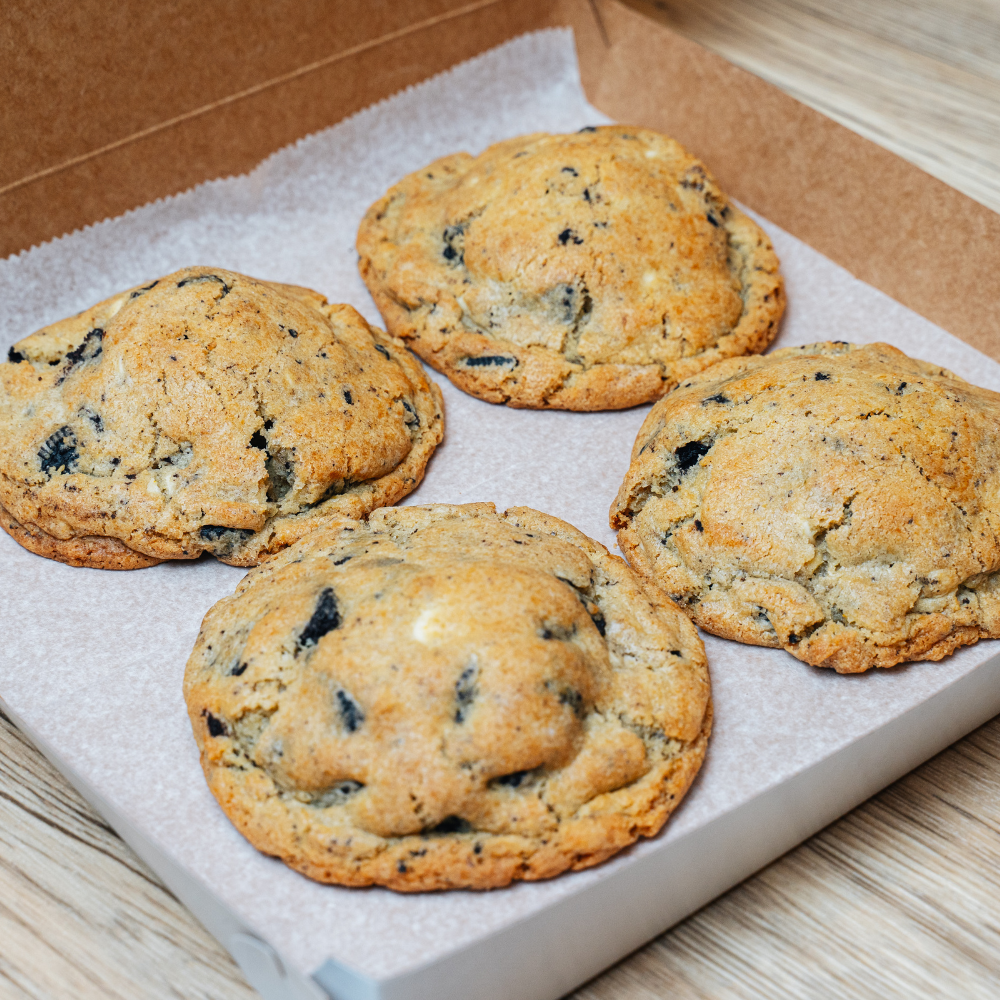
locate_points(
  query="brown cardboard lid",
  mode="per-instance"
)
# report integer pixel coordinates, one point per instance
(107, 107)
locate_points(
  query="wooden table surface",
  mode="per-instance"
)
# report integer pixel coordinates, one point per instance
(900, 898)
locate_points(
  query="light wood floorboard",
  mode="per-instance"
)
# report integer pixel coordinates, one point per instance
(920, 77)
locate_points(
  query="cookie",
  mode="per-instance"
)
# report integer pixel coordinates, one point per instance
(580, 272)
(205, 412)
(838, 502)
(444, 697)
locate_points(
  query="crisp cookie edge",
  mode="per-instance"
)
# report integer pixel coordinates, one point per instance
(88, 551)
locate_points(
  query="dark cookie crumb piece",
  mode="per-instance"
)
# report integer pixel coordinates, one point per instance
(511, 780)
(821, 377)
(214, 532)
(555, 631)
(598, 619)
(454, 249)
(450, 824)
(383, 352)
(572, 698)
(224, 539)
(59, 452)
(16, 357)
(216, 727)
(92, 342)
(491, 360)
(350, 711)
(324, 619)
(465, 691)
(141, 291)
(567, 236)
(206, 277)
(89, 349)
(690, 454)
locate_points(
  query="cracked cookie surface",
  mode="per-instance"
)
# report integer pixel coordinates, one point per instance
(585, 272)
(447, 697)
(840, 502)
(205, 412)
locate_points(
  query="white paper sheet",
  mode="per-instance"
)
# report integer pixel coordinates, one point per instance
(93, 660)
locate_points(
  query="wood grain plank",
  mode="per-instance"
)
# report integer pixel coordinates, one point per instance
(897, 899)
(919, 77)
(80, 915)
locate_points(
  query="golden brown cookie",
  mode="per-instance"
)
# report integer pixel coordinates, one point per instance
(445, 697)
(581, 272)
(839, 502)
(205, 412)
